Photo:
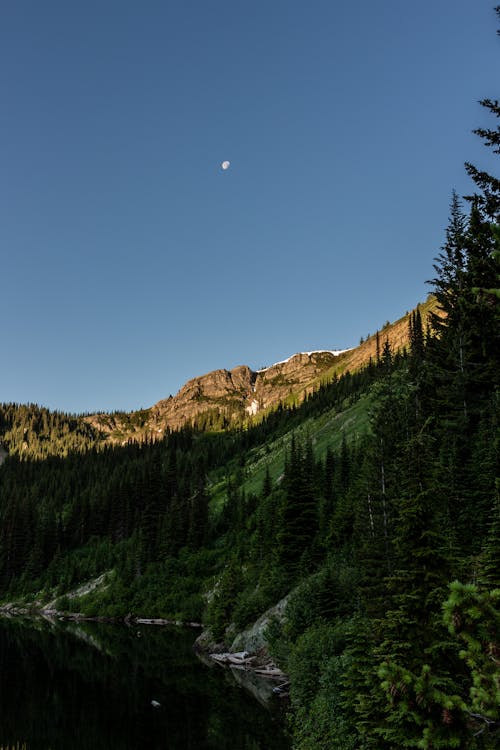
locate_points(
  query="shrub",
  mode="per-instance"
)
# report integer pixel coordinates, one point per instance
(317, 665)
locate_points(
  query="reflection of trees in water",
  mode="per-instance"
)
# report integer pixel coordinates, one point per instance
(90, 687)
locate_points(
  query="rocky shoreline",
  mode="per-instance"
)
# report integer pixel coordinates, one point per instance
(253, 670)
(247, 655)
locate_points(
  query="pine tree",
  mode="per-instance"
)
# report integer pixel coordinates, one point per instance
(418, 665)
(267, 485)
(198, 517)
(463, 362)
(489, 574)
(473, 616)
(489, 198)
(298, 523)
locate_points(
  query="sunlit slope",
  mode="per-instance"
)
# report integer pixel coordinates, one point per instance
(397, 334)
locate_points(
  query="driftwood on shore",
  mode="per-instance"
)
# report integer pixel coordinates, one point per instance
(162, 621)
(241, 658)
(261, 667)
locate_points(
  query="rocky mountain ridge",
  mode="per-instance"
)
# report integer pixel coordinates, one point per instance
(241, 395)
(223, 397)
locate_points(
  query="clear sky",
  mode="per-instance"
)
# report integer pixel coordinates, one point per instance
(130, 261)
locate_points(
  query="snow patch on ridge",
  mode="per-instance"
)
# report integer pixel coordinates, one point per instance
(335, 352)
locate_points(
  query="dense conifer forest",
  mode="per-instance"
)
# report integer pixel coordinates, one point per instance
(387, 540)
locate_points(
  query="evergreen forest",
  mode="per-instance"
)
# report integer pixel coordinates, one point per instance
(373, 506)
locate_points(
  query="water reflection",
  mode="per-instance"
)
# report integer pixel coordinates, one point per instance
(91, 686)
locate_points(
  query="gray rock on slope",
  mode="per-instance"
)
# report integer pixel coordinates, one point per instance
(253, 638)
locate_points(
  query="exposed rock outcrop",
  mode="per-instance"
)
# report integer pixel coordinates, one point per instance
(248, 657)
(223, 397)
(253, 639)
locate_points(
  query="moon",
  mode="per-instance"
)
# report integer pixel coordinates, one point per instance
(225, 165)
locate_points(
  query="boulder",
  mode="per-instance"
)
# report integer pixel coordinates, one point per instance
(253, 638)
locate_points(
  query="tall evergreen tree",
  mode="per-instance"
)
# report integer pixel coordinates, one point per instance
(298, 524)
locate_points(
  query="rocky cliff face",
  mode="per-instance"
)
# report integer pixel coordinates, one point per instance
(241, 392)
(224, 397)
(221, 391)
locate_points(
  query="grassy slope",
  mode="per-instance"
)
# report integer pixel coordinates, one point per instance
(325, 431)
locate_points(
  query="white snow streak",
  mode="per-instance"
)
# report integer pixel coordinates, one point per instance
(335, 353)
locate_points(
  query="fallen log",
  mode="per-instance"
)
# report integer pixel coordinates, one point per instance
(270, 672)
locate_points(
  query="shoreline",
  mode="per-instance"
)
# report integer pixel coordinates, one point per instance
(257, 665)
(11, 610)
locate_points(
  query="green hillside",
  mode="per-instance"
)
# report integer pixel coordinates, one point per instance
(326, 430)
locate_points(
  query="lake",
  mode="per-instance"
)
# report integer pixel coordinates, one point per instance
(91, 686)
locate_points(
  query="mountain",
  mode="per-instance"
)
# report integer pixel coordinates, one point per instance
(212, 402)
(224, 398)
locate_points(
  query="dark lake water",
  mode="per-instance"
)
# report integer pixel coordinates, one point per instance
(89, 686)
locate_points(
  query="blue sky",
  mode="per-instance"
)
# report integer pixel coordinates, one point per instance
(131, 262)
